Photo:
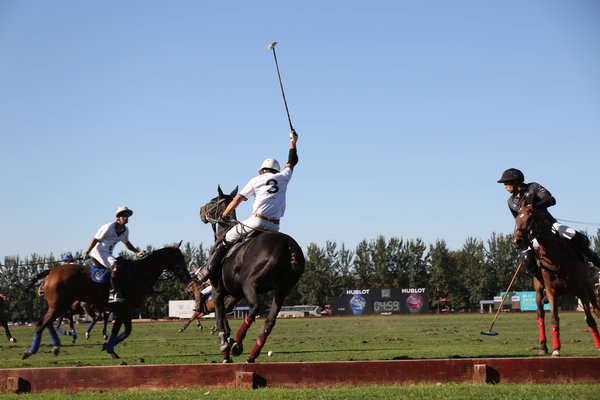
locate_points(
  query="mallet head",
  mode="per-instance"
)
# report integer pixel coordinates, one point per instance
(272, 45)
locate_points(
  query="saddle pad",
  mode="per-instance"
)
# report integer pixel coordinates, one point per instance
(99, 275)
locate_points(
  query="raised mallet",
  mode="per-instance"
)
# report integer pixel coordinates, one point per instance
(272, 47)
(491, 332)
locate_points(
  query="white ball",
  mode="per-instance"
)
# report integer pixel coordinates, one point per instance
(270, 353)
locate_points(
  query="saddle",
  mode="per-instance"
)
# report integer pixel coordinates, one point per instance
(99, 274)
(236, 245)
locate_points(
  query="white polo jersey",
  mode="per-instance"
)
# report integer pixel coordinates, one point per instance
(269, 192)
(108, 237)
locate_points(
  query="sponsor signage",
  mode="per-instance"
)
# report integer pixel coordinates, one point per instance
(381, 301)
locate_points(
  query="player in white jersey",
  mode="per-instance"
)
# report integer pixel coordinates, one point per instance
(102, 245)
(269, 189)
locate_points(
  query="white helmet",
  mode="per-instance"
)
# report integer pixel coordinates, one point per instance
(123, 210)
(270, 163)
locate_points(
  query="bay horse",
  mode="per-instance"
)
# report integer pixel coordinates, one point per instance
(268, 262)
(77, 307)
(3, 299)
(200, 308)
(69, 283)
(562, 270)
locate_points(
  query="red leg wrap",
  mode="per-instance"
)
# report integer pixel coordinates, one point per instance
(542, 329)
(241, 333)
(596, 336)
(555, 337)
(258, 347)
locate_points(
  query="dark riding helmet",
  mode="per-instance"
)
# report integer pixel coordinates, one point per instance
(512, 175)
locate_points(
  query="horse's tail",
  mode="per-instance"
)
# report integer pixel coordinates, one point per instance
(38, 278)
(296, 256)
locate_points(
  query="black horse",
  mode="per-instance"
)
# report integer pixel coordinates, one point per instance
(67, 284)
(270, 261)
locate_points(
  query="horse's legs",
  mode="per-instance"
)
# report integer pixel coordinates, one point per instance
(54, 338)
(553, 299)
(48, 318)
(7, 331)
(278, 299)
(252, 298)
(113, 340)
(591, 323)
(194, 316)
(105, 315)
(539, 294)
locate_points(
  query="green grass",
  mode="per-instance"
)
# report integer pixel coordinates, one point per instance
(441, 392)
(324, 339)
(316, 339)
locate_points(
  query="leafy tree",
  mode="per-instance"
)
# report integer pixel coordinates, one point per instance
(443, 282)
(475, 274)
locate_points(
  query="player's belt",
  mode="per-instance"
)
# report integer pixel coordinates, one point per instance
(271, 220)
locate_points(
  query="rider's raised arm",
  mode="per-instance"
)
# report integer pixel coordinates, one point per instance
(293, 154)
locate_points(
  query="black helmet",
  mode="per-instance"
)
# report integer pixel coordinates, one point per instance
(512, 175)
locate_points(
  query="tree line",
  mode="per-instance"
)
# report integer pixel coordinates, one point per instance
(478, 270)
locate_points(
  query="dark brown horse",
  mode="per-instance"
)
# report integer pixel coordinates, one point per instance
(67, 284)
(3, 299)
(267, 262)
(200, 308)
(563, 270)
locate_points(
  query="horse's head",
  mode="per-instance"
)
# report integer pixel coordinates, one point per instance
(176, 263)
(213, 210)
(527, 226)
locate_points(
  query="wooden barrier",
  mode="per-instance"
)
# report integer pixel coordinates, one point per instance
(309, 374)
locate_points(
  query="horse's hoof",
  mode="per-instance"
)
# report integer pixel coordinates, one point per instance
(26, 355)
(55, 350)
(68, 333)
(542, 351)
(250, 361)
(12, 340)
(114, 356)
(224, 347)
(105, 337)
(87, 335)
(180, 330)
(237, 349)
(227, 360)
(556, 353)
(74, 340)
(103, 347)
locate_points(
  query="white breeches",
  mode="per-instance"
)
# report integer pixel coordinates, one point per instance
(565, 231)
(247, 226)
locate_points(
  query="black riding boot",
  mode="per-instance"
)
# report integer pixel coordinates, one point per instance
(530, 262)
(533, 268)
(215, 259)
(582, 243)
(115, 295)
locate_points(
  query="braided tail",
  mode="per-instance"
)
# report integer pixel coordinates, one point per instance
(296, 256)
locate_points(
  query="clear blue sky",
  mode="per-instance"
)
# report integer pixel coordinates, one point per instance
(408, 112)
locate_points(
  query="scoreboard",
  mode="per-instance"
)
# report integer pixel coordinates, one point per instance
(381, 301)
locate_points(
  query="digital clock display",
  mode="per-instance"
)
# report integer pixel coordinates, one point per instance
(386, 306)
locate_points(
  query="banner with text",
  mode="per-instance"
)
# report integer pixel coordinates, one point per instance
(381, 301)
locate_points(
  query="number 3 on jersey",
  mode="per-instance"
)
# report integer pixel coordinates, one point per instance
(274, 188)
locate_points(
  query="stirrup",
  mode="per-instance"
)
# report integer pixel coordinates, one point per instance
(202, 274)
(115, 297)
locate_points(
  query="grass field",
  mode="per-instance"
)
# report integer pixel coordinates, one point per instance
(325, 339)
(316, 339)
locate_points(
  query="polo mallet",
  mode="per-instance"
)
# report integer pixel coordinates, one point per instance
(490, 332)
(272, 47)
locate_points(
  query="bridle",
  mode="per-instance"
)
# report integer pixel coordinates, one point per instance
(212, 213)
